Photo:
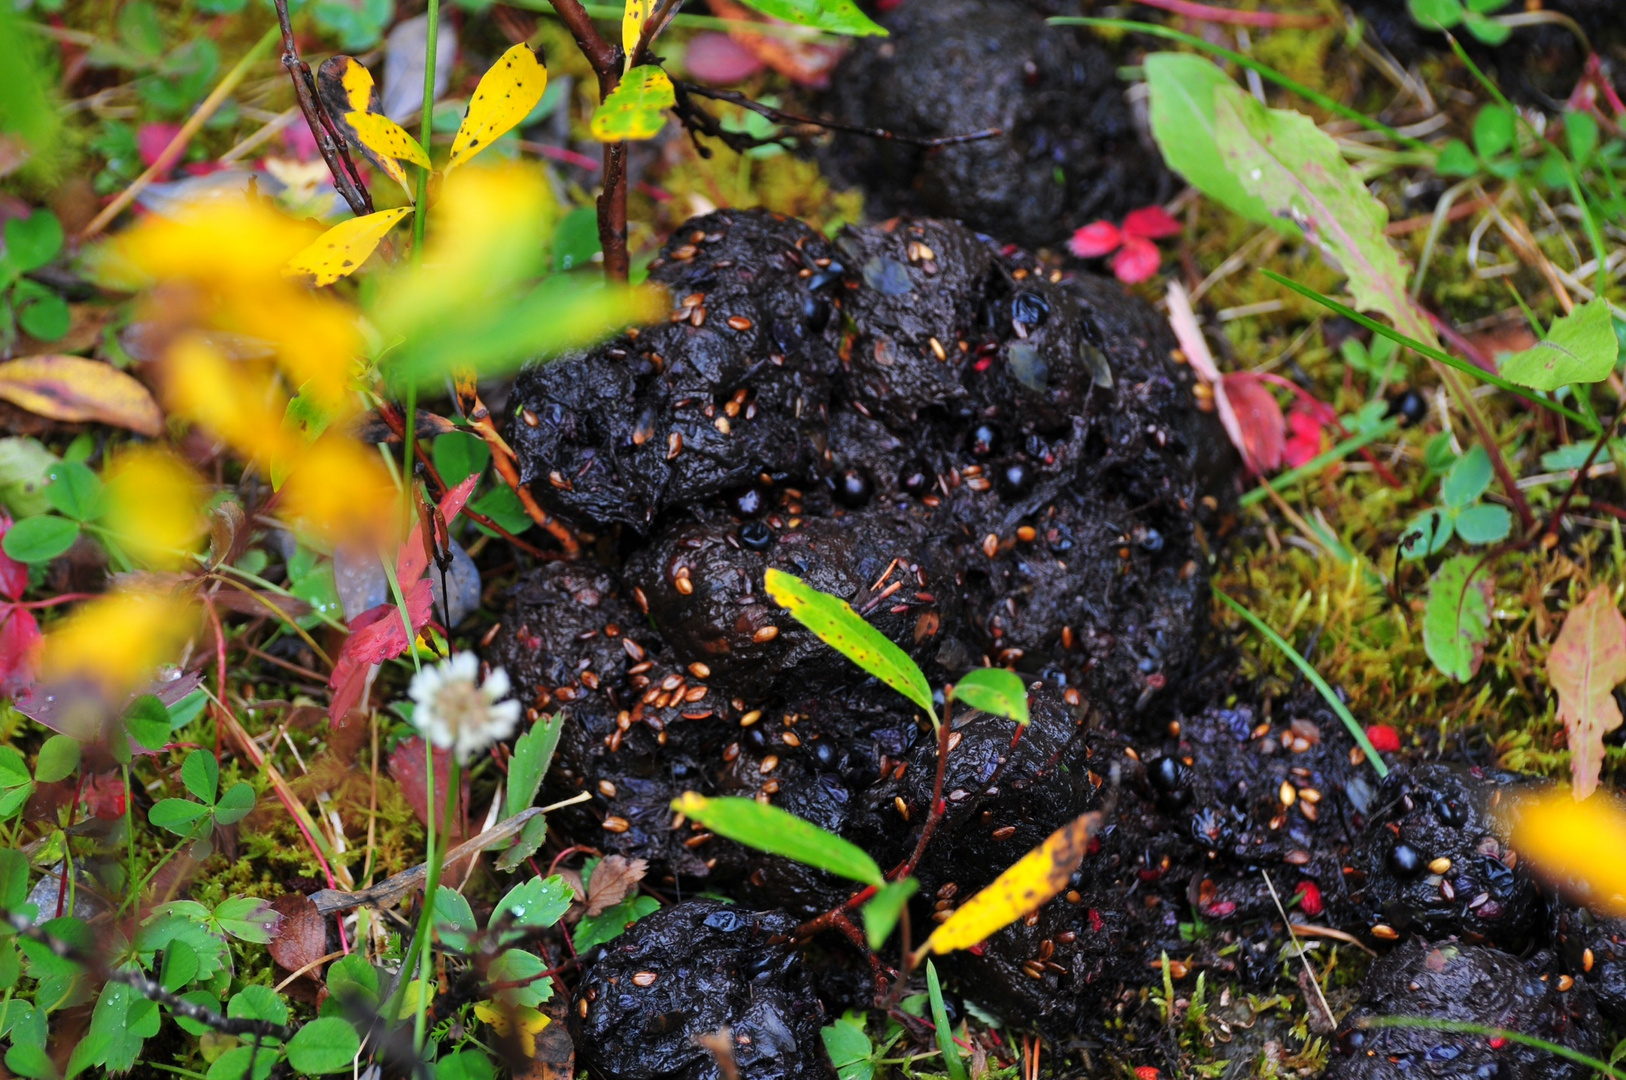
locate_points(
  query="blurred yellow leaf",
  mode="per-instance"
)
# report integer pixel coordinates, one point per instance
(530, 1023)
(155, 505)
(1036, 877)
(237, 402)
(632, 24)
(1575, 844)
(341, 250)
(634, 108)
(339, 490)
(118, 640)
(192, 245)
(73, 388)
(507, 93)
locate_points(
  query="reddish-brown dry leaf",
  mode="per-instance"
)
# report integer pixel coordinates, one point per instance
(1586, 664)
(301, 937)
(612, 880)
(1263, 428)
(73, 388)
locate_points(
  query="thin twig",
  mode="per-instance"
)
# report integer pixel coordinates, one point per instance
(346, 180)
(605, 58)
(686, 110)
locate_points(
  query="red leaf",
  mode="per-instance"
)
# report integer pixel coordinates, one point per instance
(301, 936)
(1136, 261)
(719, 59)
(1585, 665)
(13, 574)
(1305, 439)
(1095, 239)
(1264, 430)
(1384, 739)
(151, 139)
(412, 560)
(104, 796)
(20, 644)
(376, 636)
(1151, 223)
(407, 768)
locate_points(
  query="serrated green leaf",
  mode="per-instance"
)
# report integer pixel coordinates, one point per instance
(1581, 347)
(534, 903)
(834, 622)
(994, 691)
(1456, 616)
(1484, 523)
(634, 108)
(834, 16)
(881, 911)
(612, 922)
(850, 1050)
(533, 752)
(326, 1045)
(531, 837)
(768, 828)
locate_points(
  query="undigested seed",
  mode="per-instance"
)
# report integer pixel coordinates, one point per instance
(1440, 865)
(617, 824)
(644, 978)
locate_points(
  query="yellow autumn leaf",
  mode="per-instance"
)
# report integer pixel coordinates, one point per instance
(237, 402)
(118, 640)
(386, 144)
(74, 388)
(339, 490)
(1575, 844)
(341, 250)
(634, 108)
(345, 86)
(154, 505)
(632, 24)
(507, 93)
(502, 1019)
(1036, 877)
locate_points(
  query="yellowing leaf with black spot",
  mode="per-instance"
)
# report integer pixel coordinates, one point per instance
(633, 109)
(345, 86)
(507, 93)
(341, 250)
(385, 143)
(632, 23)
(1025, 887)
(834, 622)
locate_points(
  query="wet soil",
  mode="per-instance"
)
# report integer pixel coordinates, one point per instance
(1069, 151)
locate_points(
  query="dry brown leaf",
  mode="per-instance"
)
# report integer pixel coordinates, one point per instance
(612, 880)
(301, 936)
(73, 388)
(1587, 662)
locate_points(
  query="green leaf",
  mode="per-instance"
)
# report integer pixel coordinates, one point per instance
(1486, 30)
(945, 1034)
(179, 967)
(834, 622)
(186, 710)
(519, 966)
(576, 241)
(234, 1064)
(257, 1003)
(1468, 478)
(994, 691)
(13, 771)
(1435, 14)
(465, 1065)
(200, 772)
(503, 507)
(768, 828)
(1432, 530)
(40, 539)
(247, 918)
(1456, 160)
(30, 1060)
(459, 456)
(1493, 131)
(533, 752)
(1582, 132)
(1456, 616)
(882, 910)
(1581, 347)
(612, 922)
(534, 903)
(147, 722)
(58, 758)
(835, 16)
(324, 1046)
(531, 837)
(1182, 86)
(75, 491)
(1298, 170)
(25, 469)
(43, 314)
(454, 919)
(1484, 523)
(353, 978)
(634, 108)
(33, 241)
(850, 1050)
(121, 1022)
(177, 815)
(235, 805)
(13, 879)
(197, 997)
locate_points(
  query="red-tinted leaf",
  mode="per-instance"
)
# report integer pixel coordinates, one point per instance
(1260, 420)
(376, 636)
(1304, 440)
(20, 646)
(1587, 662)
(301, 936)
(413, 560)
(13, 574)
(1094, 240)
(719, 59)
(151, 139)
(1151, 223)
(104, 796)
(407, 768)
(1136, 261)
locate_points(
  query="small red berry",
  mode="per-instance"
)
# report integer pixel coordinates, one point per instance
(1309, 894)
(1384, 739)
(1145, 1072)
(1497, 1041)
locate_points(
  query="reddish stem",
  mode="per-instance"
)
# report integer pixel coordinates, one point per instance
(1267, 20)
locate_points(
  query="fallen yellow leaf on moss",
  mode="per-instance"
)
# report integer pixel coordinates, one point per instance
(118, 640)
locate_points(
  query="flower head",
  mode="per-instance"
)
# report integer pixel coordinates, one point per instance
(457, 712)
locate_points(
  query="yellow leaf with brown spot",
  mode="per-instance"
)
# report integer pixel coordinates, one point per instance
(1025, 887)
(507, 93)
(1575, 844)
(632, 24)
(341, 250)
(73, 388)
(385, 143)
(520, 1022)
(345, 86)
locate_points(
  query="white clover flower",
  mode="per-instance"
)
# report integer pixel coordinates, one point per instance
(458, 713)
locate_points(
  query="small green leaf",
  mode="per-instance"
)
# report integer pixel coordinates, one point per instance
(235, 1063)
(834, 16)
(324, 1046)
(235, 805)
(257, 1003)
(180, 965)
(1484, 523)
(1582, 132)
(994, 691)
(768, 828)
(612, 922)
(58, 758)
(1426, 534)
(945, 1034)
(1485, 29)
(177, 815)
(850, 1050)
(247, 918)
(882, 910)
(1435, 14)
(454, 919)
(634, 108)
(33, 241)
(353, 978)
(1456, 616)
(186, 710)
(1493, 131)
(523, 969)
(532, 835)
(197, 997)
(465, 1065)
(75, 491)
(200, 772)
(40, 539)
(43, 314)
(834, 622)
(1581, 347)
(459, 455)
(147, 722)
(1456, 160)
(1468, 478)
(533, 752)
(533, 903)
